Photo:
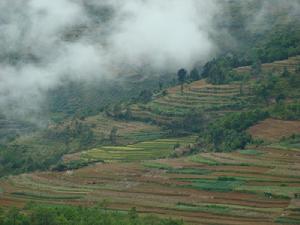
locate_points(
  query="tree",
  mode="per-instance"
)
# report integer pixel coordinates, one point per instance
(128, 113)
(285, 72)
(87, 137)
(256, 68)
(280, 97)
(117, 110)
(217, 74)
(145, 96)
(297, 70)
(242, 86)
(133, 213)
(61, 220)
(43, 216)
(182, 75)
(13, 215)
(161, 85)
(195, 75)
(193, 121)
(113, 135)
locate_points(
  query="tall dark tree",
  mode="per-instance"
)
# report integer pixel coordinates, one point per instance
(161, 85)
(182, 75)
(195, 75)
(297, 70)
(113, 135)
(256, 68)
(128, 113)
(87, 137)
(217, 75)
(145, 96)
(285, 72)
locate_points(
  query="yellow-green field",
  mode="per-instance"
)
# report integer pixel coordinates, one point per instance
(160, 148)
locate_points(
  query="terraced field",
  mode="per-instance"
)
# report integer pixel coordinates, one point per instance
(274, 130)
(291, 64)
(256, 186)
(155, 149)
(128, 131)
(200, 96)
(197, 96)
(253, 186)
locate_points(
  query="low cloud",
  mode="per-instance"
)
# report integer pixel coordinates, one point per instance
(42, 42)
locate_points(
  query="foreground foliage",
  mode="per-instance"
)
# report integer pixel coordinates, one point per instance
(66, 215)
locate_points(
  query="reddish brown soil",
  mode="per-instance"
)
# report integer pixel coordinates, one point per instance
(273, 130)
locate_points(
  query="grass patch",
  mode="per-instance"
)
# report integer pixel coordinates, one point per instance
(203, 160)
(286, 220)
(205, 208)
(222, 184)
(290, 143)
(210, 162)
(195, 171)
(223, 209)
(280, 192)
(251, 152)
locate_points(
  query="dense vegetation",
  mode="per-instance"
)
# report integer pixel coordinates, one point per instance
(229, 132)
(64, 215)
(86, 98)
(40, 150)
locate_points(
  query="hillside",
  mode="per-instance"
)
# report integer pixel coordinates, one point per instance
(255, 185)
(169, 113)
(214, 100)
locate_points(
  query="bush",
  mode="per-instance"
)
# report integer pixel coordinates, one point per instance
(73, 165)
